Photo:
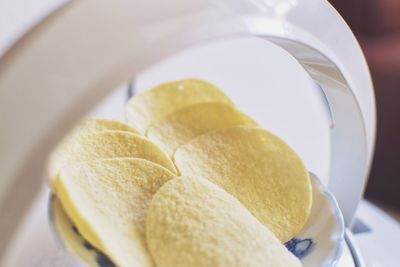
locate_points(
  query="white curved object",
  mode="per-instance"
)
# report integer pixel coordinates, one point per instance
(68, 63)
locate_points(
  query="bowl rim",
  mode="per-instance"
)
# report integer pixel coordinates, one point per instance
(338, 217)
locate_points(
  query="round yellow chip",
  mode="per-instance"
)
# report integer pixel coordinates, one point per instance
(256, 167)
(193, 222)
(108, 200)
(89, 145)
(150, 106)
(189, 122)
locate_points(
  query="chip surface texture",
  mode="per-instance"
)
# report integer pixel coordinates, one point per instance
(257, 168)
(153, 105)
(108, 200)
(105, 144)
(98, 124)
(192, 222)
(189, 122)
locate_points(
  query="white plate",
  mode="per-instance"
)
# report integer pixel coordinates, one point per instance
(319, 244)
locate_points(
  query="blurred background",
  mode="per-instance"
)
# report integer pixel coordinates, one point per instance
(376, 24)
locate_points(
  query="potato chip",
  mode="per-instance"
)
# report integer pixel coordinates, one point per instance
(89, 145)
(150, 106)
(85, 126)
(66, 230)
(193, 222)
(97, 124)
(191, 121)
(256, 167)
(108, 200)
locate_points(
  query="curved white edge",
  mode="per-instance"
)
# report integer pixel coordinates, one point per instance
(339, 222)
(350, 158)
(355, 251)
(72, 60)
(345, 51)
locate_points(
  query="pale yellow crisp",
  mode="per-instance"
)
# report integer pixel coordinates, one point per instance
(98, 124)
(86, 125)
(150, 106)
(108, 200)
(194, 223)
(88, 145)
(256, 167)
(191, 121)
(71, 241)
